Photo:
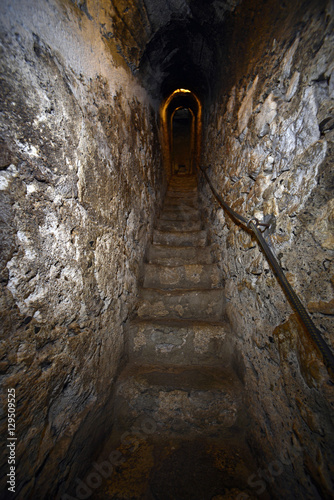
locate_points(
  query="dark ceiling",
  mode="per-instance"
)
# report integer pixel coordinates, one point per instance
(180, 55)
(184, 44)
(168, 44)
(200, 45)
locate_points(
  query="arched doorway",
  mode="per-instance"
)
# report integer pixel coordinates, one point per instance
(181, 118)
(183, 141)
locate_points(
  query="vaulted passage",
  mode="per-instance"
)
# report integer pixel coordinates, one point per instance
(147, 349)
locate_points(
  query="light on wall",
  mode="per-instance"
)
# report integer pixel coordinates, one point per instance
(167, 109)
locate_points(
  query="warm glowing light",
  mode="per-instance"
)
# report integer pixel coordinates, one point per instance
(166, 121)
(179, 91)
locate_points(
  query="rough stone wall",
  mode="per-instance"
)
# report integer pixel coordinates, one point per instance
(268, 142)
(80, 180)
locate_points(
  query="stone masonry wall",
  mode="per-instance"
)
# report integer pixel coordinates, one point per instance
(80, 180)
(268, 143)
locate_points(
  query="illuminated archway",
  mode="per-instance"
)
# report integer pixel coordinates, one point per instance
(181, 98)
(182, 137)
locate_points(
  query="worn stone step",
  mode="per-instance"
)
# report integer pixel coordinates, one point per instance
(177, 238)
(154, 467)
(178, 225)
(182, 215)
(191, 193)
(183, 184)
(180, 399)
(180, 206)
(185, 181)
(172, 202)
(175, 195)
(185, 276)
(179, 342)
(177, 255)
(185, 304)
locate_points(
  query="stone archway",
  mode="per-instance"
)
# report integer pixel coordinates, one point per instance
(181, 101)
(183, 140)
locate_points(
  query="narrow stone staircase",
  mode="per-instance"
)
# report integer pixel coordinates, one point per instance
(180, 420)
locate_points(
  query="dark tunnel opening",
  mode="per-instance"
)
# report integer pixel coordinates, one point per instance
(181, 120)
(182, 141)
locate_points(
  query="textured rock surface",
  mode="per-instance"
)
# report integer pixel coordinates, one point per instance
(269, 144)
(80, 183)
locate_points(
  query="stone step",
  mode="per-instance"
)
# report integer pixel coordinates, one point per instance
(185, 181)
(179, 342)
(175, 195)
(182, 190)
(185, 184)
(182, 239)
(180, 399)
(171, 202)
(206, 305)
(177, 256)
(151, 467)
(178, 225)
(181, 206)
(185, 276)
(186, 214)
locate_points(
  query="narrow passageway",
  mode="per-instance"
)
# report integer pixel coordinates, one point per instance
(147, 350)
(180, 420)
(183, 140)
